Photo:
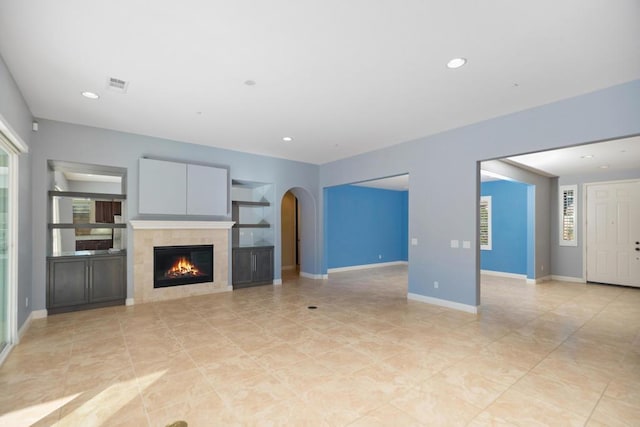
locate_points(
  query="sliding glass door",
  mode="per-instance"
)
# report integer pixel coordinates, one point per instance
(4, 249)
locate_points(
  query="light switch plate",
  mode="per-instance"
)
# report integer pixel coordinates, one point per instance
(466, 244)
(414, 241)
(455, 243)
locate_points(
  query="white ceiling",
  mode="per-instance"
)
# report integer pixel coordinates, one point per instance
(340, 77)
(588, 159)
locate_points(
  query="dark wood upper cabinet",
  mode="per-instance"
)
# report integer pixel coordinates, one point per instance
(105, 211)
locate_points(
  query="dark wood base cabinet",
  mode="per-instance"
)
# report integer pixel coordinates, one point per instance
(252, 266)
(81, 282)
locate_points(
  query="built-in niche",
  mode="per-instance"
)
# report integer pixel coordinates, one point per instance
(86, 262)
(87, 206)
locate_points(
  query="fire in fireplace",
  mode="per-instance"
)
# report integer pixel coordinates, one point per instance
(182, 265)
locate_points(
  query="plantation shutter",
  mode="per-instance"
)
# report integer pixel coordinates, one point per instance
(485, 222)
(568, 215)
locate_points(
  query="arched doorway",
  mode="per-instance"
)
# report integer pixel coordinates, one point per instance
(290, 235)
(298, 234)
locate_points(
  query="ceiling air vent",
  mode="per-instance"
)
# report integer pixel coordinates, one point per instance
(117, 85)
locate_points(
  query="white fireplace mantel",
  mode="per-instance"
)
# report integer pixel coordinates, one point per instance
(179, 225)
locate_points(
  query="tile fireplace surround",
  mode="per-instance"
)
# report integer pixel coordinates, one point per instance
(147, 234)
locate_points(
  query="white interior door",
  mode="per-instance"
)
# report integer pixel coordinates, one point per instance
(613, 233)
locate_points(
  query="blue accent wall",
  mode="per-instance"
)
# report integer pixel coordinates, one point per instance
(362, 223)
(509, 212)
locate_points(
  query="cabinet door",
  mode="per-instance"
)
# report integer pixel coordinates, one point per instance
(67, 283)
(162, 187)
(107, 279)
(263, 265)
(207, 191)
(242, 266)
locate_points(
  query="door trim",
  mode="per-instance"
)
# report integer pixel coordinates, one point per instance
(584, 191)
(7, 141)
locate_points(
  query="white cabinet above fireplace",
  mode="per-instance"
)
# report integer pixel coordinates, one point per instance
(172, 188)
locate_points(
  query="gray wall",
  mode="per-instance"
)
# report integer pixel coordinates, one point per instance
(83, 144)
(443, 189)
(16, 114)
(568, 261)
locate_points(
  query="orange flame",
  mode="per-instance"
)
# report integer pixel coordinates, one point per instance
(182, 267)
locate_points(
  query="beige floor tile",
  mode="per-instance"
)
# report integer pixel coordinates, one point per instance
(418, 365)
(339, 400)
(278, 355)
(625, 389)
(344, 360)
(431, 407)
(250, 395)
(612, 412)
(471, 387)
(569, 371)
(171, 363)
(232, 369)
(166, 390)
(516, 409)
(204, 411)
(386, 415)
(548, 354)
(497, 370)
(116, 405)
(555, 391)
(301, 376)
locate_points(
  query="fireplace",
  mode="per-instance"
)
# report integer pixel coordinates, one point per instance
(182, 265)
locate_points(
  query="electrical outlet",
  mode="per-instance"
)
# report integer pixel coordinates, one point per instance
(436, 284)
(26, 302)
(379, 256)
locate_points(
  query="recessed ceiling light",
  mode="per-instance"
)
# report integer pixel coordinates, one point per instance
(287, 138)
(456, 63)
(90, 95)
(587, 156)
(604, 167)
(250, 82)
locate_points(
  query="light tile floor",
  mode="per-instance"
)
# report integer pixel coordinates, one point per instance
(548, 354)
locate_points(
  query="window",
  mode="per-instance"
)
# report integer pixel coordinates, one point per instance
(568, 215)
(485, 223)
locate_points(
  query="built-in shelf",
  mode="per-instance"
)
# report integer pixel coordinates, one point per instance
(252, 225)
(83, 195)
(249, 203)
(92, 225)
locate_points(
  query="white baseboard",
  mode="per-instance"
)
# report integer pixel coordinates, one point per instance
(277, 282)
(313, 276)
(568, 279)
(129, 301)
(230, 288)
(444, 303)
(25, 327)
(36, 314)
(503, 274)
(39, 314)
(365, 266)
(538, 280)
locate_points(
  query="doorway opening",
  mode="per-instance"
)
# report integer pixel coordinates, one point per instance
(290, 239)
(298, 210)
(559, 235)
